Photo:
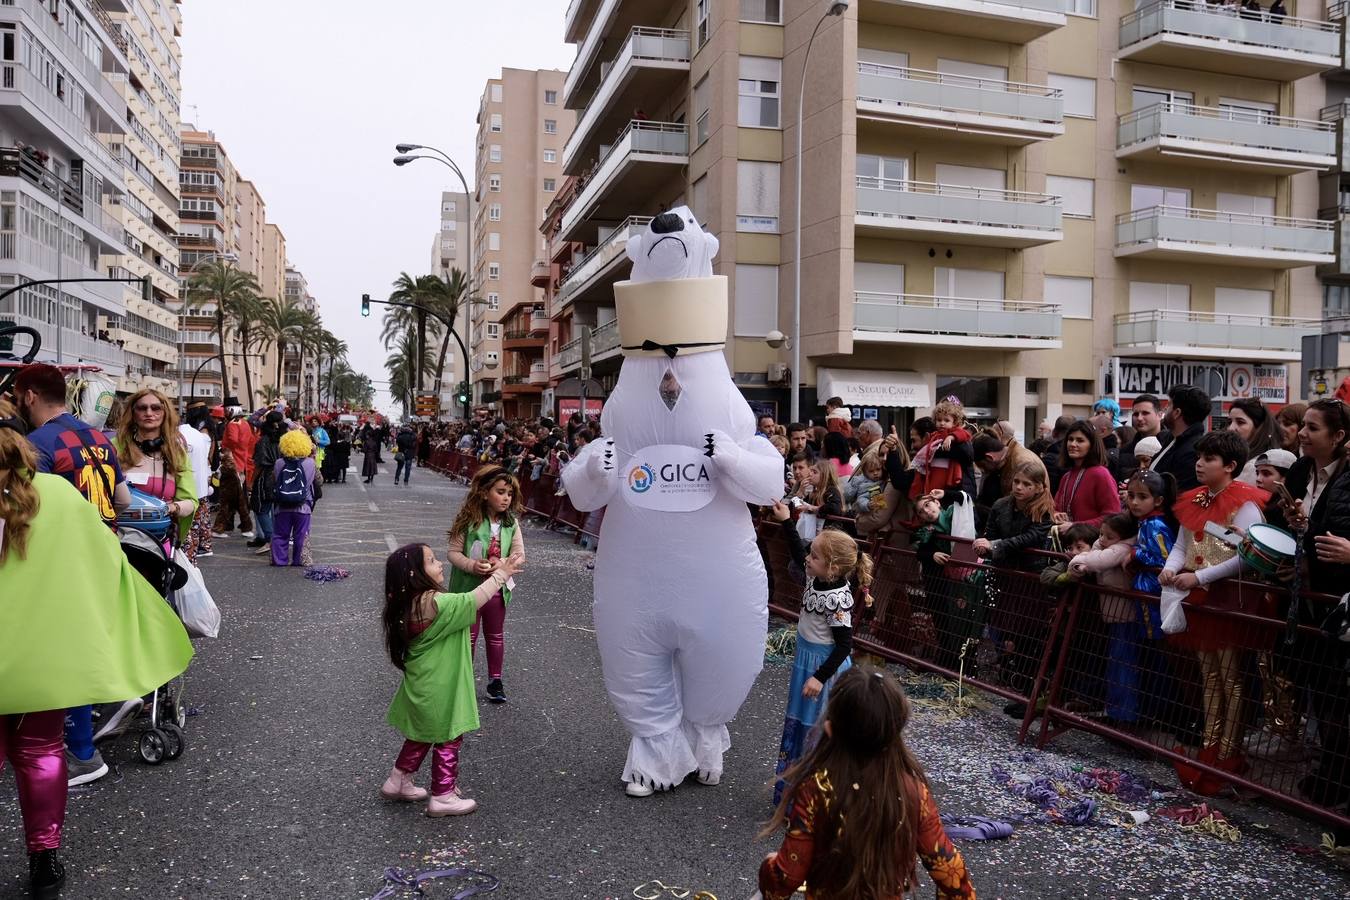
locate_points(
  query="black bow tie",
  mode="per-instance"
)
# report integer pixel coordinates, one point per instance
(672, 350)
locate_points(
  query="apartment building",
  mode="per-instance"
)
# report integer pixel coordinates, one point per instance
(300, 377)
(450, 251)
(149, 148)
(64, 121)
(523, 127)
(1022, 203)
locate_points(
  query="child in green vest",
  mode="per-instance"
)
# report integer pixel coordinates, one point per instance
(427, 635)
(486, 531)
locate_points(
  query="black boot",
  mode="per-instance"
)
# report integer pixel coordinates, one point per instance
(496, 693)
(46, 875)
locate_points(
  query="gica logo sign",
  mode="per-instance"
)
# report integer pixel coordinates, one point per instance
(641, 479)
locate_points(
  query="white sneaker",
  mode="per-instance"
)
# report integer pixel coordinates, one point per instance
(220, 534)
(247, 534)
(265, 548)
(201, 553)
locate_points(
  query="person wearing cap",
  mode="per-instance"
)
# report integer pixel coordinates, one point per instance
(1272, 467)
(1145, 449)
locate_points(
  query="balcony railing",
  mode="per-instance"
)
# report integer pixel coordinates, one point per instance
(604, 253)
(588, 49)
(538, 322)
(960, 102)
(1165, 330)
(957, 208)
(663, 142)
(18, 80)
(1215, 132)
(604, 341)
(1167, 30)
(89, 68)
(1215, 230)
(1018, 21)
(659, 47)
(918, 318)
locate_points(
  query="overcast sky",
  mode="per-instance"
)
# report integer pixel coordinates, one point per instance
(309, 98)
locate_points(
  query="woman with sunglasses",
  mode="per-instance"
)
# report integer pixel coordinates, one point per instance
(154, 456)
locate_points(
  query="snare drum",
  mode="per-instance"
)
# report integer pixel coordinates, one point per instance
(1267, 548)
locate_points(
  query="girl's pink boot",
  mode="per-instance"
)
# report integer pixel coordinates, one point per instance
(399, 786)
(451, 804)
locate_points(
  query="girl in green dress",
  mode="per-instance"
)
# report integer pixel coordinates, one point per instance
(427, 635)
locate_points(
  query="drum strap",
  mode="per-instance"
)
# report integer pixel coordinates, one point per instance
(1295, 593)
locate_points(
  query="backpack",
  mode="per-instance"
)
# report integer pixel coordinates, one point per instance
(291, 490)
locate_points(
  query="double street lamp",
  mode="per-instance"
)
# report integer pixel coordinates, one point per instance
(408, 153)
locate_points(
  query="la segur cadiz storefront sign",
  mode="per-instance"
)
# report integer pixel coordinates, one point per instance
(873, 388)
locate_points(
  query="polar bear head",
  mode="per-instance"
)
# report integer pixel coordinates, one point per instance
(672, 246)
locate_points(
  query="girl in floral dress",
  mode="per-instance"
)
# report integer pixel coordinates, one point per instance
(858, 810)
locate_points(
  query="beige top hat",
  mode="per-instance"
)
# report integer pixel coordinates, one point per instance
(673, 304)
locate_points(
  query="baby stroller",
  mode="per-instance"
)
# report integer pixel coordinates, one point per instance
(143, 528)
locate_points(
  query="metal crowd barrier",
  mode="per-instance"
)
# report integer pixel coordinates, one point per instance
(1069, 654)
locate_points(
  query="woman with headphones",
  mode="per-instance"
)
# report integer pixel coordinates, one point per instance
(154, 456)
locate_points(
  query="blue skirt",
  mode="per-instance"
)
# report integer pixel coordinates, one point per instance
(803, 713)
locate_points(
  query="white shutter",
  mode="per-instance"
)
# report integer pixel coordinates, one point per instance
(1080, 94)
(970, 176)
(973, 283)
(756, 300)
(883, 57)
(1242, 302)
(1246, 204)
(757, 196)
(972, 70)
(1147, 196)
(1146, 296)
(1074, 295)
(878, 278)
(1076, 193)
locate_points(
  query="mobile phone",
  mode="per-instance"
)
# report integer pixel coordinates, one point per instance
(1282, 494)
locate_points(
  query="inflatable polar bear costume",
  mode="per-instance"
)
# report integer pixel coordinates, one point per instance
(681, 596)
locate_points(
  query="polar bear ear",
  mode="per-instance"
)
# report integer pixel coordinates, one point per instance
(634, 248)
(713, 244)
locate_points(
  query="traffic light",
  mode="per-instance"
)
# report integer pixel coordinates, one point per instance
(365, 305)
(147, 290)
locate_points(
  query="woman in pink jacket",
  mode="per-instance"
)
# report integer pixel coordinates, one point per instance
(1087, 492)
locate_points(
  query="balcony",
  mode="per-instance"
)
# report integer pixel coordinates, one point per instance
(604, 345)
(1225, 138)
(1234, 239)
(985, 217)
(955, 322)
(644, 158)
(1005, 112)
(97, 83)
(601, 267)
(519, 384)
(522, 339)
(539, 274)
(594, 43)
(1193, 34)
(649, 66)
(1191, 335)
(577, 18)
(1338, 116)
(107, 228)
(75, 347)
(1010, 21)
(1339, 268)
(539, 374)
(539, 323)
(199, 241)
(201, 162)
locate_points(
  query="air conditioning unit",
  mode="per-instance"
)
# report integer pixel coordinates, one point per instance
(777, 372)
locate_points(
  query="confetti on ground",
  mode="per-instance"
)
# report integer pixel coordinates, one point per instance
(324, 574)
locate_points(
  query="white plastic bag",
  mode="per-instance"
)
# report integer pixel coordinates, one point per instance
(1173, 616)
(963, 519)
(200, 615)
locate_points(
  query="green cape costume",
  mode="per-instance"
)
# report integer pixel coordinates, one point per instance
(463, 581)
(436, 701)
(79, 624)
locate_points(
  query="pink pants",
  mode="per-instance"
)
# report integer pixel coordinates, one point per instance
(444, 763)
(492, 616)
(34, 744)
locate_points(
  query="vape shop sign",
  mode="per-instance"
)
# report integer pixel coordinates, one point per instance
(1221, 380)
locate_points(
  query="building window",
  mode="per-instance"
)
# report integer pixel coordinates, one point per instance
(494, 182)
(551, 98)
(449, 225)
(1080, 94)
(770, 11)
(494, 240)
(495, 153)
(1076, 193)
(495, 271)
(493, 330)
(550, 185)
(760, 81)
(550, 126)
(1082, 8)
(701, 11)
(701, 125)
(447, 245)
(550, 156)
(495, 212)
(491, 357)
(1147, 296)
(757, 196)
(448, 206)
(494, 302)
(495, 92)
(1072, 295)
(756, 300)
(698, 199)
(495, 123)
(1243, 302)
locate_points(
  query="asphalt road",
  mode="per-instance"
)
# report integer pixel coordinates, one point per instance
(277, 793)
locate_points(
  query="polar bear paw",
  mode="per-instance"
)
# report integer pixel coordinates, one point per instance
(644, 787)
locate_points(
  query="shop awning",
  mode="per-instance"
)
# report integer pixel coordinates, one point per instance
(873, 388)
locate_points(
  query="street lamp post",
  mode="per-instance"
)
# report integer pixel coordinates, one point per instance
(836, 8)
(406, 155)
(449, 326)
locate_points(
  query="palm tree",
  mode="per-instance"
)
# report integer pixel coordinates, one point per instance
(402, 368)
(449, 298)
(282, 322)
(230, 290)
(243, 321)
